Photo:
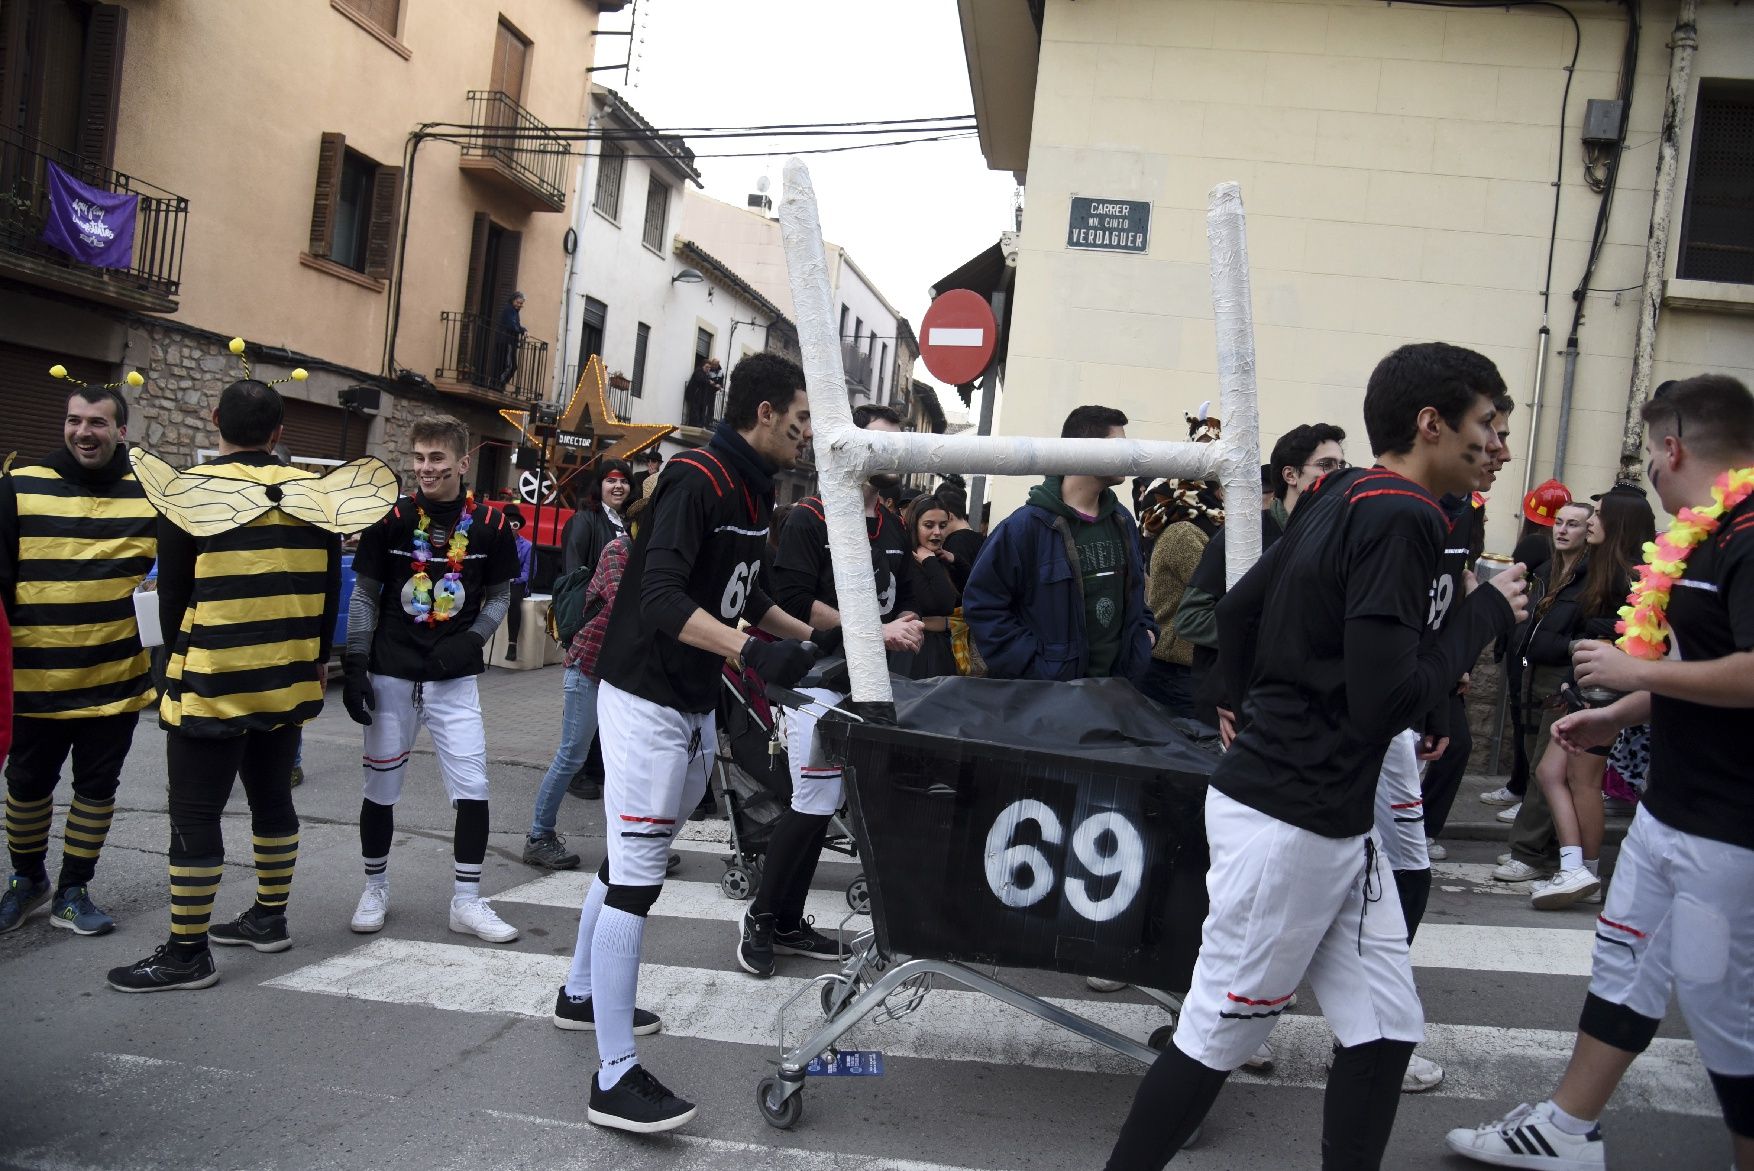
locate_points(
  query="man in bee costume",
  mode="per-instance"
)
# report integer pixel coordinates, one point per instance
(77, 535)
(249, 592)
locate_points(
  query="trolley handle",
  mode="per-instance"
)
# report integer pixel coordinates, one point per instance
(798, 701)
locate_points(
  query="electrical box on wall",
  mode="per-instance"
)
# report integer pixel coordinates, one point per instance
(1603, 121)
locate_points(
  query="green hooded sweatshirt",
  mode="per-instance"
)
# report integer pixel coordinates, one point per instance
(1101, 563)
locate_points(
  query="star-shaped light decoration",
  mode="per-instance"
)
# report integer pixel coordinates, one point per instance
(589, 430)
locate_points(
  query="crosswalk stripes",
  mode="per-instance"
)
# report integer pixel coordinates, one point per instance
(725, 1006)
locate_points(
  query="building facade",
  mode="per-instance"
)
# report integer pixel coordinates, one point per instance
(286, 199)
(1398, 166)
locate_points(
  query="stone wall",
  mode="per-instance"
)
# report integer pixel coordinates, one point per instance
(184, 372)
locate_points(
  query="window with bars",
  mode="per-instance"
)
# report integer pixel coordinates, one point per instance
(610, 164)
(1717, 223)
(657, 213)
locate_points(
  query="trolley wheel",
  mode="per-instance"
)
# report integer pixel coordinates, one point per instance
(859, 895)
(737, 882)
(836, 995)
(782, 1114)
(1159, 1039)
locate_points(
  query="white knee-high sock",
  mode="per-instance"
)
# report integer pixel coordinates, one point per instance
(614, 980)
(578, 980)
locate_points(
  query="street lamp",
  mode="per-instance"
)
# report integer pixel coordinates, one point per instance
(688, 276)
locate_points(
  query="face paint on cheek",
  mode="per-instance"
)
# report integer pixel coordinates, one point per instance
(794, 432)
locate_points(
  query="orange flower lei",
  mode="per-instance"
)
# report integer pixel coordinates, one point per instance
(1644, 625)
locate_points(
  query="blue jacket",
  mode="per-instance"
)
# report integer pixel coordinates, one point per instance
(1024, 603)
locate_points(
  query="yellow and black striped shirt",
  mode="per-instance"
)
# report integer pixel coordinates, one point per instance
(254, 611)
(81, 545)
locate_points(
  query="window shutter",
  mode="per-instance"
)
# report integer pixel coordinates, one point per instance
(329, 156)
(100, 89)
(477, 262)
(386, 207)
(505, 273)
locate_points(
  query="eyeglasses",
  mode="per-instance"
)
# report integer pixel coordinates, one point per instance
(1328, 467)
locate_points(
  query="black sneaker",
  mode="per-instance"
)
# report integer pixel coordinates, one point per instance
(162, 971)
(549, 852)
(252, 929)
(638, 1103)
(578, 1016)
(806, 941)
(755, 949)
(588, 788)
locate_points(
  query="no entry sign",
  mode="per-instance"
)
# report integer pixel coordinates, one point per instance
(957, 337)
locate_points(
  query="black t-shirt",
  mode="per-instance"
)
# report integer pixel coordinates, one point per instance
(965, 546)
(1364, 543)
(1699, 777)
(402, 647)
(803, 572)
(708, 520)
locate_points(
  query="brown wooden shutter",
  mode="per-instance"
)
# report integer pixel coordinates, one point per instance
(505, 272)
(509, 53)
(477, 262)
(386, 207)
(100, 89)
(329, 156)
(34, 405)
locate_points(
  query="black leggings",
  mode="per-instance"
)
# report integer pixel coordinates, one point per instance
(98, 746)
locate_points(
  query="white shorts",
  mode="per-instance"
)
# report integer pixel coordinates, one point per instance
(655, 765)
(450, 710)
(816, 782)
(1400, 806)
(1679, 915)
(1285, 903)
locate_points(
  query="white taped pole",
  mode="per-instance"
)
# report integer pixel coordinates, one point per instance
(840, 470)
(1239, 463)
(846, 456)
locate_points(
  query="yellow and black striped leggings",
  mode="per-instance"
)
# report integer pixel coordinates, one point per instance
(40, 749)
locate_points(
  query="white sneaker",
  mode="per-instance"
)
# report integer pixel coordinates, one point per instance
(1434, 850)
(1499, 796)
(475, 916)
(1508, 816)
(1422, 1074)
(1517, 871)
(1566, 888)
(1526, 1137)
(1098, 984)
(374, 904)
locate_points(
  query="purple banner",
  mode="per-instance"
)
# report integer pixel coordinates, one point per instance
(92, 226)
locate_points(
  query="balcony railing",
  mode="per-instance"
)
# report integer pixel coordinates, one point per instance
(490, 359)
(517, 145)
(155, 272)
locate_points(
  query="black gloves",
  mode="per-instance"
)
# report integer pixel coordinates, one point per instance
(782, 663)
(456, 657)
(827, 642)
(357, 694)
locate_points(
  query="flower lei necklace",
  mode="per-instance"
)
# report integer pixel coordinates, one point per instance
(435, 604)
(1644, 625)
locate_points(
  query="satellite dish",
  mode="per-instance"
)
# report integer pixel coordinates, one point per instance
(762, 184)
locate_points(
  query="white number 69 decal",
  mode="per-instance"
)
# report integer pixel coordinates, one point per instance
(1125, 861)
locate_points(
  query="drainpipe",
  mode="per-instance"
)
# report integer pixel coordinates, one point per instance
(1566, 382)
(1682, 46)
(1543, 339)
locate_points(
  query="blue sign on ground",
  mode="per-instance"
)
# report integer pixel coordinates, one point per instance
(848, 1063)
(1109, 225)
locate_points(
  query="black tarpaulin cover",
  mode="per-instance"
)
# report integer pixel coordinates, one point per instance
(1034, 825)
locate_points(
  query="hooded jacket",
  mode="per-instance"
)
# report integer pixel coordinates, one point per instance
(1024, 603)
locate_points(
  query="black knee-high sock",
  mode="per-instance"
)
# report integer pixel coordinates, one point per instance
(786, 851)
(1414, 887)
(790, 912)
(377, 825)
(1364, 1091)
(469, 845)
(1173, 1099)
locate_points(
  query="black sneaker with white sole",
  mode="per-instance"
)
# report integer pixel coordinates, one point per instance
(165, 971)
(638, 1103)
(804, 940)
(755, 948)
(252, 929)
(577, 1015)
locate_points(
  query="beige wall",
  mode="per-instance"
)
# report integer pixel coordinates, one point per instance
(1396, 164)
(226, 104)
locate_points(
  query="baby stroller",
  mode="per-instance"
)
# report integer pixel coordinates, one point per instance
(755, 786)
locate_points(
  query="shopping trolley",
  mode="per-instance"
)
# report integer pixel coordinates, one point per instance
(1011, 824)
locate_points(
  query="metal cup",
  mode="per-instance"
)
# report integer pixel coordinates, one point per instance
(1593, 696)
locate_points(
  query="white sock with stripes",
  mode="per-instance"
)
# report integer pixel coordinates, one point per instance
(614, 980)
(578, 981)
(468, 881)
(377, 871)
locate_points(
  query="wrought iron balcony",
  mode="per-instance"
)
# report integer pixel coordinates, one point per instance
(154, 273)
(517, 150)
(484, 361)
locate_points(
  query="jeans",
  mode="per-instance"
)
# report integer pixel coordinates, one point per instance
(1171, 685)
(578, 723)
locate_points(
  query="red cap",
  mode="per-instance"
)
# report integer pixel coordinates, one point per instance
(1543, 503)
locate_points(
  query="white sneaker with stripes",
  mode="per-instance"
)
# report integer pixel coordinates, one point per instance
(1526, 1137)
(475, 916)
